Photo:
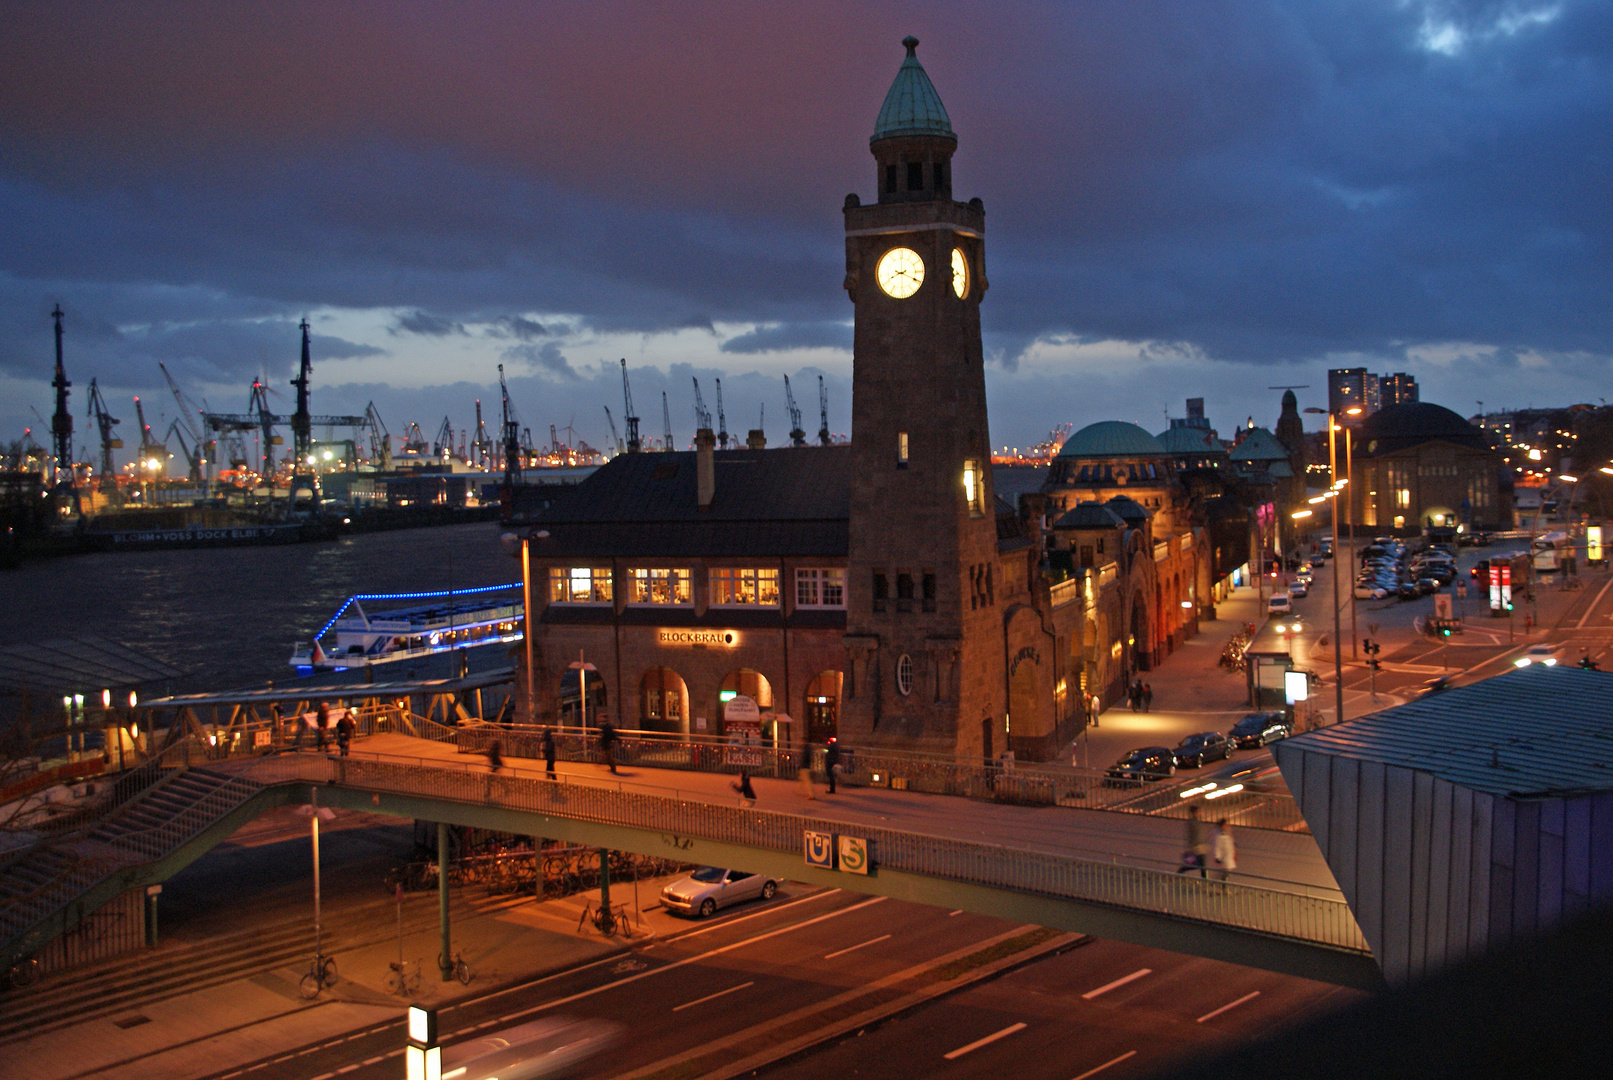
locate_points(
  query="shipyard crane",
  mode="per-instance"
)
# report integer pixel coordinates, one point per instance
(105, 422)
(666, 418)
(823, 413)
(797, 436)
(510, 434)
(206, 450)
(380, 439)
(615, 439)
(702, 415)
(722, 421)
(633, 444)
(414, 440)
(444, 446)
(483, 441)
(61, 424)
(153, 455)
(302, 428)
(193, 454)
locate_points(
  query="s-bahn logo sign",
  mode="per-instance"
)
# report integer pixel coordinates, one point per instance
(722, 639)
(820, 850)
(853, 854)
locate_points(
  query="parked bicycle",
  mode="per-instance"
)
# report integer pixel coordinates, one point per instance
(404, 978)
(321, 974)
(460, 969)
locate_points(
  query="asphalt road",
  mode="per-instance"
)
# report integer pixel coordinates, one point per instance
(744, 971)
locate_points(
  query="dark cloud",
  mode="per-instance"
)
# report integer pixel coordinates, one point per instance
(422, 322)
(518, 326)
(546, 357)
(768, 339)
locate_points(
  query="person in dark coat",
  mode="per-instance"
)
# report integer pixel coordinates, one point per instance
(831, 761)
(344, 732)
(743, 786)
(607, 744)
(1148, 696)
(321, 718)
(548, 751)
(495, 758)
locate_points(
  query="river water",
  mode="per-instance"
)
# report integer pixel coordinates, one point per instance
(228, 617)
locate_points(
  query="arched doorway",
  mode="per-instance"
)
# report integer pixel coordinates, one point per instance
(571, 700)
(1024, 711)
(823, 707)
(663, 701)
(1137, 639)
(753, 684)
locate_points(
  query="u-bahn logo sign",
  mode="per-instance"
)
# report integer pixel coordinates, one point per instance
(820, 850)
(722, 639)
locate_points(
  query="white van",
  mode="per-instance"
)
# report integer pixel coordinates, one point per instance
(1279, 604)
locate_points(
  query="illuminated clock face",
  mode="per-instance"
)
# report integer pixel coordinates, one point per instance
(960, 273)
(901, 272)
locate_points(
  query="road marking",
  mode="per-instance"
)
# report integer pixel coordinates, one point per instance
(710, 997)
(1229, 1005)
(1581, 624)
(978, 1043)
(952, 913)
(1106, 1064)
(1133, 977)
(373, 1060)
(635, 977)
(854, 948)
(347, 1069)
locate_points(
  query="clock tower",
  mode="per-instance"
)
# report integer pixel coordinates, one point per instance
(926, 664)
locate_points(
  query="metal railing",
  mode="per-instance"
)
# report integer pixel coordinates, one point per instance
(1025, 784)
(1314, 919)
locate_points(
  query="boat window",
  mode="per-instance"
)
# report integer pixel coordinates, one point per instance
(660, 586)
(737, 585)
(579, 585)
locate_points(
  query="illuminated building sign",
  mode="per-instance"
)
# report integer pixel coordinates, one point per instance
(722, 639)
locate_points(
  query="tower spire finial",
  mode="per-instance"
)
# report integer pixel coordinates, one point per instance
(912, 44)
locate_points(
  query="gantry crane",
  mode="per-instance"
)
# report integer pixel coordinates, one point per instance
(797, 436)
(483, 442)
(380, 439)
(61, 424)
(666, 418)
(510, 433)
(105, 422)
(722, 421)
(153, 455)
(193, 454)
(205, 450)
(628, 417)
(702, 415)
(823, 413)
(615, 439)
(443, 448)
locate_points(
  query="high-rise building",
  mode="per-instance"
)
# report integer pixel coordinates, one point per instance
(1346, 390)
(1397, 389)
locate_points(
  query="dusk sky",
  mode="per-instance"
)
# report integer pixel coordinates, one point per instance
(1204, 198)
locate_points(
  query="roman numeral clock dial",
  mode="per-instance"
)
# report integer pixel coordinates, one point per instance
(900, 272)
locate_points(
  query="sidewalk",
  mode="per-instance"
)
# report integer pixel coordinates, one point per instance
(201, 1033)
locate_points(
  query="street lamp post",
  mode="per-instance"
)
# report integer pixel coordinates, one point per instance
(1333, 475)
(582, 668)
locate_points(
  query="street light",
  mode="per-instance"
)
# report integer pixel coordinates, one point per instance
(1338, 648)
(582, 668)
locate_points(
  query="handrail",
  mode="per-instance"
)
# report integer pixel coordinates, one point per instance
(1316, 920)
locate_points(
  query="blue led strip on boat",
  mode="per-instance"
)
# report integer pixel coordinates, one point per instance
(410, 596)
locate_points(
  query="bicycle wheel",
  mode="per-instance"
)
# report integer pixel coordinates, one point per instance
(309, 986)
(328, 971)
(25, 972)
(394, 983)
(462, 972)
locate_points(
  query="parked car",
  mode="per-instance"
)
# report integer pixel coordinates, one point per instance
(710, 888)
(1299, 589)
(1410, 590)
(1195, 750)
(1147, 763)
(1279, 604)
(1258, 729)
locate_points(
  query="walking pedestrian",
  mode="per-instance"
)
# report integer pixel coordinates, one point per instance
(607, 744)
(300, 721)
(495, 759)
(1148, 696)
(279, 721)
(803, 775)
(1225, 851)
(344, 731)
(747, 794)
(1094, 706)
(321, 718)
(831, 761)
(1193, 855)
(548, 751)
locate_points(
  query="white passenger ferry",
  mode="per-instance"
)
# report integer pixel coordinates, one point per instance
(400, 626)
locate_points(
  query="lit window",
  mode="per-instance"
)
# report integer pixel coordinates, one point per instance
(658, 586)
(974, 489)
(730, 585)
(904, 674)
(901, 449)
(579, 585)
(820, 588)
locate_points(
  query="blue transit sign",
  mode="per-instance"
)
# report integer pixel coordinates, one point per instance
(820, 849)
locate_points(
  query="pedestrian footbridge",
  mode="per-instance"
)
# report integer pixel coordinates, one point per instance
(1067, 869)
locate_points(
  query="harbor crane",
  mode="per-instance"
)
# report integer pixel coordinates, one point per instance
(414, 440)
(380, 439)
(633, 444)
(61, 424)
(105, 422)
(483, 442)
(797, 436)
(206, 449)
(666, 418)
(722, 421)
(443, 447)
(702, 415)
(153, 455)
(823, 413)
(615, 439)
(510, 434)
(193, 454)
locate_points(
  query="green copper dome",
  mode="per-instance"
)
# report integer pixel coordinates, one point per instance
(912, 107)
(1111, 439)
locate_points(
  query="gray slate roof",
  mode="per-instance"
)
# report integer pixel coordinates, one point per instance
(1532, 732)
(1090, 515)
(787, 501)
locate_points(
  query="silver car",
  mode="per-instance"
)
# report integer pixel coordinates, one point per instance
(710, 888)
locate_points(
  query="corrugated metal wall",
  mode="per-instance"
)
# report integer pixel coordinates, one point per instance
(1435, 872)
(115, 928)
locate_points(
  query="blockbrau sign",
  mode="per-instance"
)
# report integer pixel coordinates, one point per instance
(722, 639)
